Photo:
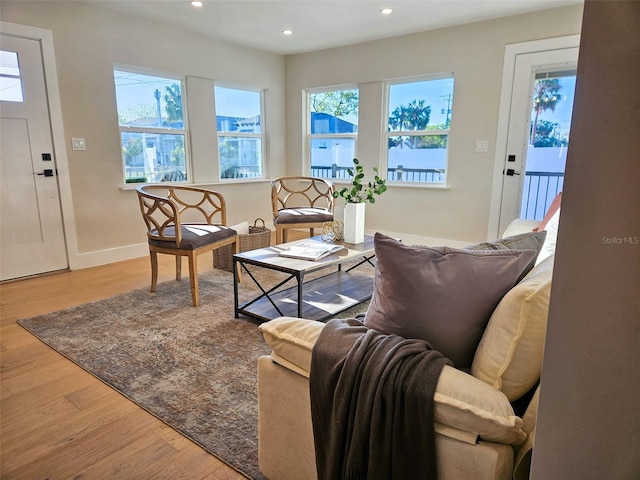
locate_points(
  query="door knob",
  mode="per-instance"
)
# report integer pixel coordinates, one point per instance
(510, 172)
(48, 172)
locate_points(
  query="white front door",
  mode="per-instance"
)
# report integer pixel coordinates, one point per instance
(537, 137)
(32, 235)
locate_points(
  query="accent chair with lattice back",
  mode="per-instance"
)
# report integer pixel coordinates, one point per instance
(300, 202)
(185, 222)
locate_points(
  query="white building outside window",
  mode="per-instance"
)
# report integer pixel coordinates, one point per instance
(239, 114)
(152, 122)
(332, 131)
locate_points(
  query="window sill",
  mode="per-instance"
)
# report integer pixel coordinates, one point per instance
(435, 186)
(133, 186)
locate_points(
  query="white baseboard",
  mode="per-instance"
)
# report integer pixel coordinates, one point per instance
(109, 255)
(420, 240)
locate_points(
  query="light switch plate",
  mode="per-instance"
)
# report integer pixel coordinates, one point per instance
(78, 144)
(482, 146)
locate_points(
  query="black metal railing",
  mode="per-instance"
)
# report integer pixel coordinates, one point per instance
(332, 171)
(425, 175)
(539, 190)
(401, 174)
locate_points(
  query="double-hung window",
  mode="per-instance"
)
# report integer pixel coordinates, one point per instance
(152, 124)
(240, 132)
(333, 128)
(419, 118)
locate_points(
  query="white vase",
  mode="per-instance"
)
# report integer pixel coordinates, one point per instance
(338, 214)
(354, 222)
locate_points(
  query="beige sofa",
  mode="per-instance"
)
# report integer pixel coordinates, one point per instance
(478, 434)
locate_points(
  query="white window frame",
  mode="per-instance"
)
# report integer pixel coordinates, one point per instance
(158, 130)
(261, 135)
(387, 134)
(327, 136)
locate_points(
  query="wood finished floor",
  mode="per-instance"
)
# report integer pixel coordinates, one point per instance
(58, 421)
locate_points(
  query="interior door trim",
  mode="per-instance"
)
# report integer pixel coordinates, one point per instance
(45, 37)
(511, 51)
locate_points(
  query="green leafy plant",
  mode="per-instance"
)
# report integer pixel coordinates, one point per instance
(357, 192)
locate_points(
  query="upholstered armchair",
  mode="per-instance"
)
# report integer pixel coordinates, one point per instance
(300, 202)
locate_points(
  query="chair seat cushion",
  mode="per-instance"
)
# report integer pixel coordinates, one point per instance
(303, 215)
(193, 236)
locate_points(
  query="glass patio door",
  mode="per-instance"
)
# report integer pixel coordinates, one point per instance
(538, 133)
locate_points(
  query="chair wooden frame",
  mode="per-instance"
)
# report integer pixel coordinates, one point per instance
(298, 192)
(164, 208)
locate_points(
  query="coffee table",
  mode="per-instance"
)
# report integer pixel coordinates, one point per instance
(319, 298)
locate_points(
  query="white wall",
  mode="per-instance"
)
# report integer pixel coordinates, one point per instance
(88, 42)
(475, 54)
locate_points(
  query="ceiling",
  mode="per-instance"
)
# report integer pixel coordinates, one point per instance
(318, 24)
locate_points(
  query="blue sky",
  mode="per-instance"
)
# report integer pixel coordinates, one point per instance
(562, 113)
(435, 92)
(231, 102)
(134, 89)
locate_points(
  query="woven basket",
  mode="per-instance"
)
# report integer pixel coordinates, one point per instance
(259, 237)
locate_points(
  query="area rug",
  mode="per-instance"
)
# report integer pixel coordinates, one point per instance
(193, 368)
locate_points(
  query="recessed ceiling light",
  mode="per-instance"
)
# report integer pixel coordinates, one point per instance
(386, 11)
(196, 3)
(287, 32)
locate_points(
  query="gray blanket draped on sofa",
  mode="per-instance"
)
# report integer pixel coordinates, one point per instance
(372, 403)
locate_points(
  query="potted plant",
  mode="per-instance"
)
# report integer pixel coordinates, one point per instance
(356, 197)
(357, 193)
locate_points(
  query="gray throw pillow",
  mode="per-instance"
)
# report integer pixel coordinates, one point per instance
(442, 295)
(524, 241)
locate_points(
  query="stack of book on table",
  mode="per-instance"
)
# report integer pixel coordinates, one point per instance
(308, 250)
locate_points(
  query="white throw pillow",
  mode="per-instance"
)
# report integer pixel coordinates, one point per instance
(241, 228)
(549, 245)
(509, 356)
